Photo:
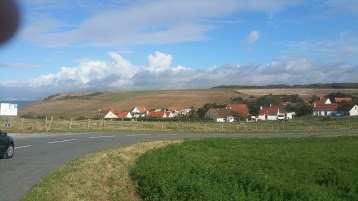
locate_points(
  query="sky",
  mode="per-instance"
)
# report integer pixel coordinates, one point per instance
(88, 45)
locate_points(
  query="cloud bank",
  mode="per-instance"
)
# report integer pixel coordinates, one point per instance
(117, 73)
(135, 22)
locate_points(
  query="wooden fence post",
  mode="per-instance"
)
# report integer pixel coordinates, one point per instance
(22, 123)
(89, 123)
(49, 125)
(71, 123)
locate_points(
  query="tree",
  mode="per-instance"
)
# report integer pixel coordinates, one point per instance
(237, 100)
(238, 115)
(300, 109)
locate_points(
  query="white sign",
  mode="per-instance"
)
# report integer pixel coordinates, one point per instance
(8, 109)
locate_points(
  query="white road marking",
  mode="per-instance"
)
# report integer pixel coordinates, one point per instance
(167, 134)
(61, 141)
(133, 135)
(23, 146)
(101, 137)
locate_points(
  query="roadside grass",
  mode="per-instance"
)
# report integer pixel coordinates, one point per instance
(313, 168)
(303, 124)
(310, 168)
(96, 176)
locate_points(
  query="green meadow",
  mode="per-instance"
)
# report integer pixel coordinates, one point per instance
(313, 168)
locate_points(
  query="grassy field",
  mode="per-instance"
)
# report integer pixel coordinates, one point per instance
(314, 168)
(87, 104)
(251, 169)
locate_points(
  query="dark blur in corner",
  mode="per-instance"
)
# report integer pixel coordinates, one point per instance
(9, 20)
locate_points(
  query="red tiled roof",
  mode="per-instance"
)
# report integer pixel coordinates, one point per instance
(326, 107)
(220, 112)
(122, 114)
(241, 108)
(342, 99)
(269, 111)
(156, 114)
(142, 108)
(109, 109)
(321, 101)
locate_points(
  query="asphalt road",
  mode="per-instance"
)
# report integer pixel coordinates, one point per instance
(37, 155)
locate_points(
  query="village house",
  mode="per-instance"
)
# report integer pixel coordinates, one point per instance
(107, 113)
(283, 110)
(124, 115)
(349, 109)
(157, 114)
(240, 108)
(324, 107)
(139, 111)
(176, 110)
(340, 100)
(220, 115)
(269, 113)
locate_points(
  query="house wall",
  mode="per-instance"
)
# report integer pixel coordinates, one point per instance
(220, 120)
(354, 111)
(110, 115)
(323, 113)
(271, 117)
(268, 117)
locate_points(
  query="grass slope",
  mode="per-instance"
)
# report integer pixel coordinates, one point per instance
(87, 104)
(84, 104)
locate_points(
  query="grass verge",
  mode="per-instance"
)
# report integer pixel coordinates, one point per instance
(96, 176)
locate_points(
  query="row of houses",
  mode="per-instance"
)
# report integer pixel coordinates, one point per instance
(340, 107)
(141, 111)
(322, 107)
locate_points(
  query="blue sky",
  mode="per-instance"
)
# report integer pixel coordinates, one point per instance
(86, 45)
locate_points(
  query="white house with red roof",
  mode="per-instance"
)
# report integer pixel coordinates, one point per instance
(240, 108)
(178, 110)
(324, 107)
(125, 115)
(157, 114)
(106, 113)
(220, 115)
(269, 113)
(139, 111)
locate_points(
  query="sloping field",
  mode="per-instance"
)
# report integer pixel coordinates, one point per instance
(304, 93)
(86, 104)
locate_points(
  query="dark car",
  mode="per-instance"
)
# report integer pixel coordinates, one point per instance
(7, 145)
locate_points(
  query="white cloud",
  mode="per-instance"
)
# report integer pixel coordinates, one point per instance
(120, 74)
(253, 37)
(159, 62)
(344, 47)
